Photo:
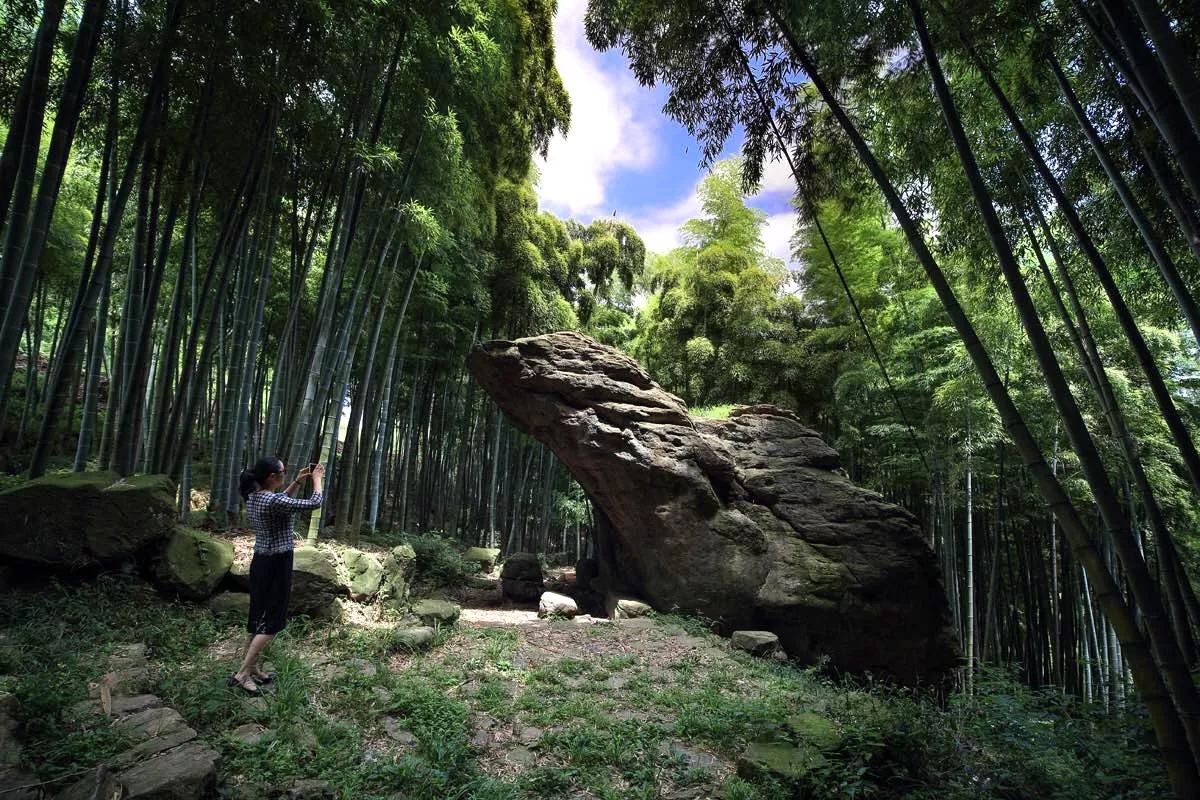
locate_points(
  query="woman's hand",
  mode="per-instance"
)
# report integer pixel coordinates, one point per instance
(304, 473)
(318, 476)
(317, 471)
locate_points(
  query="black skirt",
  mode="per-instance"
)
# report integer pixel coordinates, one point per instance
(270, 590)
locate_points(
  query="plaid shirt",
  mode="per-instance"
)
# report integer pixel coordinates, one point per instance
(270, 515)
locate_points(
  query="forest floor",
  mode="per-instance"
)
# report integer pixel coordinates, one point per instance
(509, 706)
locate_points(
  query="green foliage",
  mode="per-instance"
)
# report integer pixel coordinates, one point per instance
(439, 558)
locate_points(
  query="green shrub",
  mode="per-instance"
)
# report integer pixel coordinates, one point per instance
(439, 560)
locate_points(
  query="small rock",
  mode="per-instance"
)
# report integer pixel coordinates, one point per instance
(304, 737)
(779, 656)
(231, 604)
(398, 733)
(530, 735)
(615, 682)
(485, 557)
(695, 759)
(412, 638)
(481, 738)
(250, 733)
(101, 784)
(520, 756)
(556, 605)
(628, 608)
(778, 760)
(156, 730)
(128, 655)
(185, 772)
(433, 612)
(130, 680)
(758, 643)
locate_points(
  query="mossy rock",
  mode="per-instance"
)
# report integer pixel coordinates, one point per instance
(814, 730)
(485, 557)
(86, 519)
(315, 583)
(412, 639)
(434, 612)
(230, 604)
(364, 572)
(779, 760)
(192, 564)
(398, 568)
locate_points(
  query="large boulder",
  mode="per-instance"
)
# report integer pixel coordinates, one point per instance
(521, 577)
(747, 520)
(86, 519)
(192, 564)
(315, 582)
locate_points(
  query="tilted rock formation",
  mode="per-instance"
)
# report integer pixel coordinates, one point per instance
(747, 521)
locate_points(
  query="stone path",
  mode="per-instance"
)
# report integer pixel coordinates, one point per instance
(166, 760)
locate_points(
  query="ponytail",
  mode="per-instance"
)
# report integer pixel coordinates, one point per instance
(251, 480)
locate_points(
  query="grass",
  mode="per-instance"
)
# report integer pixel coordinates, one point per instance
(713, 412)
(677, 687)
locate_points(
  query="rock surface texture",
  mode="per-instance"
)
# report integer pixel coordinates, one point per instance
(746, 520)
(85, 520)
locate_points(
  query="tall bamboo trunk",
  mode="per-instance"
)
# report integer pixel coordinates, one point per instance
(1168, 727)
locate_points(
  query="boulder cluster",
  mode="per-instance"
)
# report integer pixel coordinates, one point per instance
(97, 520)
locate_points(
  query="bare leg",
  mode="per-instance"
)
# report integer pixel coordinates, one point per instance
(254, 649)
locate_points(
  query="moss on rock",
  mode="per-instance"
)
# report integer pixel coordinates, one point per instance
(192, 564)
(84, 520)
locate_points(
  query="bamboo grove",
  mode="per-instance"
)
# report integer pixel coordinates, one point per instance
(283, 230)
(1038, 161)
(241, 228)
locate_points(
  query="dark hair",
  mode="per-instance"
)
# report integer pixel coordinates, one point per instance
(252, 479)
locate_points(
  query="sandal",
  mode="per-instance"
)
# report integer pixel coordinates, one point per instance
(247, 685)
(264, 678)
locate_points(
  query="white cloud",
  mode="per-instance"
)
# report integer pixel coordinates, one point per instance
(659, 227)
(777, 236)
(777, 179)
(611, 126)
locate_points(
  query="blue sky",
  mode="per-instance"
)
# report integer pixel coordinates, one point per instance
(622, 154)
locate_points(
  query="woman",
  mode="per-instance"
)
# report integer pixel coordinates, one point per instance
(270, 513)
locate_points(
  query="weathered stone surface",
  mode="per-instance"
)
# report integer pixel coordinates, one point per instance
(756, 643)
(417, 638)
(779, 760)
(365, 573)
(433, 612)
(192, 564)
(485, 557)
(235, 605)
(746, 520)
(315, 583)
(627, 608)
(557, 605)
(398, 568)
(185, 773)
(521, 577)
(86, 519)
(101, 784)
(238, 577)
